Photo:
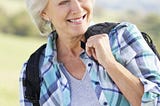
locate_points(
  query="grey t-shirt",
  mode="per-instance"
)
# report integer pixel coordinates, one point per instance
(82, 92)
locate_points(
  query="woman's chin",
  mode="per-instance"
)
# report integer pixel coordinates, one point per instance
(79, 31)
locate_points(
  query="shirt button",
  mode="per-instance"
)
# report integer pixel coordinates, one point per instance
(97, 83)
(89, 64)
(145, 82)
(105, 103)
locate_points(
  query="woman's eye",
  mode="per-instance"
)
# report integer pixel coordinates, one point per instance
(63, 2)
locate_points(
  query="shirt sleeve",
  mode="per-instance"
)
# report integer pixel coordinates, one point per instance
(141, 61)
(23, 100)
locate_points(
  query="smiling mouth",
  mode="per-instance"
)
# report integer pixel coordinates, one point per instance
(77, 20)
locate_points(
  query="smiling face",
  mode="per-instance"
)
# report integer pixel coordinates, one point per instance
(69, 17)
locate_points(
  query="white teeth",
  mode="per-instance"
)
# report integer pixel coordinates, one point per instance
(77, 20)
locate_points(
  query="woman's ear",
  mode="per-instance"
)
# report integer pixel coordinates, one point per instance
(44, 16)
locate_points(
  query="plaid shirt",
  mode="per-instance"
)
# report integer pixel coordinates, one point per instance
(128, 47)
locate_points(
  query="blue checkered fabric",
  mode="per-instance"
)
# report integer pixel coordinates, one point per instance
(128, 47)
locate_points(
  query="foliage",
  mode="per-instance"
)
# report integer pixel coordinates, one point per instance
(152, 23)
(4, 20)
(22, 25)
(17, 24)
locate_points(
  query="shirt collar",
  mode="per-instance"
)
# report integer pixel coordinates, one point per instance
(51, 49)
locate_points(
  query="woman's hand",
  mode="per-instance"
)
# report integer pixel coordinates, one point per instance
(98, 47)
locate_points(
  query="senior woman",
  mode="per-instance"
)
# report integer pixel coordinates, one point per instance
(124, 71)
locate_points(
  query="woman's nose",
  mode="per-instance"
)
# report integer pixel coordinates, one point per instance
(76, 6)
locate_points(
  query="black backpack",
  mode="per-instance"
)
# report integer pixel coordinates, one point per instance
(32, 81)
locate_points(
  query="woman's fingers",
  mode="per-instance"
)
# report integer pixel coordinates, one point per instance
(98, 47)
(93, 44)
(89, 52)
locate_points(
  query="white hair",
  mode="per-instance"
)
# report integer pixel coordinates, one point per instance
(35, 7)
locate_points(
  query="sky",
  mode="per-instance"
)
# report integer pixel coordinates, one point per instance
(136, 5)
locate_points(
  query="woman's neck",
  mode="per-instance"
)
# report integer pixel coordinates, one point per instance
(69, 46)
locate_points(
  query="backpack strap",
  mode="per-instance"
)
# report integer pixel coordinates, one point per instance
(98, 29)
(150, 43)
(32, 81)
(107, 27)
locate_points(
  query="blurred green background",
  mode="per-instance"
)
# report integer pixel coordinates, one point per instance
(19, 38)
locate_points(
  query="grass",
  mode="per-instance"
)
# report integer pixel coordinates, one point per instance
(14, 52)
